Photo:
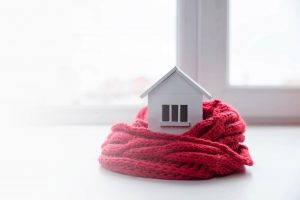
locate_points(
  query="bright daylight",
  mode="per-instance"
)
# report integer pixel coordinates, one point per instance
(143, 100)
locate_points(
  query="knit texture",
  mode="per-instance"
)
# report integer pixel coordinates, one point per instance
(210, 148)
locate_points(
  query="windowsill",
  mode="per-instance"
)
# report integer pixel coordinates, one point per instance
(60, 162)
(101, 115)
(176, 124)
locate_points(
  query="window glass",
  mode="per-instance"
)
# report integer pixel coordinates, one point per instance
(264, 43)
(165, 113)
(183, 113)
(175, 113)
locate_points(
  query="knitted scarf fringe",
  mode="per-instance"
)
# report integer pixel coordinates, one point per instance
(210, 148)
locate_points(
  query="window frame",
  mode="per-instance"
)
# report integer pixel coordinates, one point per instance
(203, 54)
(171, 122)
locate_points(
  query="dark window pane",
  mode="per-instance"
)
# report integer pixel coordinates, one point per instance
(183, 113)
(174, 113)
(165, 113)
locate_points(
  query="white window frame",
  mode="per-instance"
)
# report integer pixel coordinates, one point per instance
(170, 122)
(179, 112)
(203, 54)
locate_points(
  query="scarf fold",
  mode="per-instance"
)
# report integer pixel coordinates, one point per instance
(210, 148)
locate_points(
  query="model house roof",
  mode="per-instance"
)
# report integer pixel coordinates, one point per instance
(184, 76)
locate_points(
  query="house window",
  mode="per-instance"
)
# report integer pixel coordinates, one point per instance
(174, 114)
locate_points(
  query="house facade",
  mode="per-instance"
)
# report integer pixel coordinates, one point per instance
(174, 103)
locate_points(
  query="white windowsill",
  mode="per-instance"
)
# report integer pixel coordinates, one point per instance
(100, 115)
(60, 162)
(177, 124)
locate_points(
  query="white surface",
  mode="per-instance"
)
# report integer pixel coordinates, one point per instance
(61, 163)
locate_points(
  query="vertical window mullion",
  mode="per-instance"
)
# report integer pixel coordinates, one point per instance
(170, 113)
(179, 115)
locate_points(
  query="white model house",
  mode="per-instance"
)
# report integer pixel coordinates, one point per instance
(174, 103)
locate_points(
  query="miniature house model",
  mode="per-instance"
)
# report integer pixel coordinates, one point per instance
(174, 103)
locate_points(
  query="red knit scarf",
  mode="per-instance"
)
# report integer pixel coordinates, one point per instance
(210, 148)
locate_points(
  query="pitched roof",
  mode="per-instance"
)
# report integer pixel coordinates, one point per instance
(184, 76)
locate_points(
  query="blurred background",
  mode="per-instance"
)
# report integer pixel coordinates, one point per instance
(54, 56)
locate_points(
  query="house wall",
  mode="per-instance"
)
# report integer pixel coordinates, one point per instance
(174, 90)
